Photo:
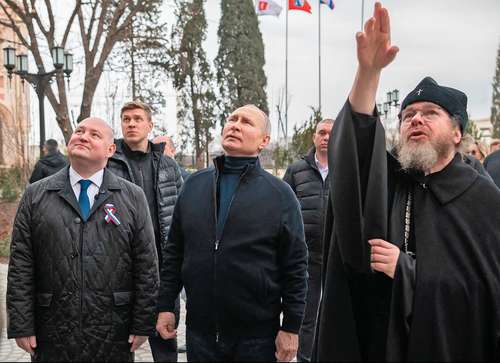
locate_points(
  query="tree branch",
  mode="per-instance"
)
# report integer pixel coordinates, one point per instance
(51, 18)
(12, 25)
(78, 5)
(92, 17)
(100, 27)
(38, 20)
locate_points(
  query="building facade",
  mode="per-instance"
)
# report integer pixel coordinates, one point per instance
(14, 107)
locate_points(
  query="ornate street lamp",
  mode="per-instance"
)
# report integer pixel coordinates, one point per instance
(392, 100)
(18, 64)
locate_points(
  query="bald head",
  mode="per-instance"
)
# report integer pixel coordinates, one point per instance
(169, 144)
(101, 125)
(90, 146)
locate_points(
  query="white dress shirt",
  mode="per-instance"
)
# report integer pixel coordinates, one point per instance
(323, 170)
(93, 189)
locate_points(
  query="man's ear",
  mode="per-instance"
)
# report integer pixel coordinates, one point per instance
(457, 136)
(111, 150)
(264, 143)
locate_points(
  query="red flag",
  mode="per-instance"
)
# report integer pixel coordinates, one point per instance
(299, 5)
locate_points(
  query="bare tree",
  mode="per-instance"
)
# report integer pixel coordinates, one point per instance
(100, 23)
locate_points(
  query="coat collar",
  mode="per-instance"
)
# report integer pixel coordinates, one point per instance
(60, 183)
(155, 148)
(250, 170)
(310, 157)
(452, 181)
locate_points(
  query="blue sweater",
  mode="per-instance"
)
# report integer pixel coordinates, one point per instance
(228, 182)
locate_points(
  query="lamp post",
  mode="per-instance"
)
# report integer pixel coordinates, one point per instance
(18, 64)
(392, 100)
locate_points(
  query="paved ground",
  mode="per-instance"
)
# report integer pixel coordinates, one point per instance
(9, 352)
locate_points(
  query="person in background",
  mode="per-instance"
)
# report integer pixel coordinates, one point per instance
(494, 145)
(143, 163)
(309, 180)
(170, 151)
(50, 163)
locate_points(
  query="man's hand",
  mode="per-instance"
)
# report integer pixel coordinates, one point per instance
(286, 346)
(384, 256)
(374, 43)
(27, 344)
(136, 341)
(165, 325)
(374, 53)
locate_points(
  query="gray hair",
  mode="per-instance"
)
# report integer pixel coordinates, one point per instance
(267, 122)
(329, 121)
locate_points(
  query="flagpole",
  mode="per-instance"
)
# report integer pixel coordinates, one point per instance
(286, 76)
(319, 55)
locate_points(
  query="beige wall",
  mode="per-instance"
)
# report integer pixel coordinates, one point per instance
(14, 108)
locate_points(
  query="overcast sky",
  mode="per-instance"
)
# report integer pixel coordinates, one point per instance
(453, 41)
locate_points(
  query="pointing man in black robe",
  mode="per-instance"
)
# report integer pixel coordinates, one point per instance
(412, 265)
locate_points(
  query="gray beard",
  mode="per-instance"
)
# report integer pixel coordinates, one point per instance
(421, 156)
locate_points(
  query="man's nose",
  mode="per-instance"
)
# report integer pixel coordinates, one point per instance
(417, 119)
(237, 125)
(83, 136)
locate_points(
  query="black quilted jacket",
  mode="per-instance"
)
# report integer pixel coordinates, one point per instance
(168, 182)
(82, 287)
(306, 181)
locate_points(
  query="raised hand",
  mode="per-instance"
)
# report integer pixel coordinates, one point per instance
(374, 51)
(374, 44)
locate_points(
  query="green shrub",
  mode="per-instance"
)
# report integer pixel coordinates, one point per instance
(10, 184)
(5, 247)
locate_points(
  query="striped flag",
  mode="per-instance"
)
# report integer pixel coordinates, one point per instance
(268, 7)
(299, 5)
(329, 3)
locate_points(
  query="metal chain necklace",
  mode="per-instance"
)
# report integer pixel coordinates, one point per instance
(407, 225)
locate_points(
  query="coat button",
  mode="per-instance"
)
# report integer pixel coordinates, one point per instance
(77, 220)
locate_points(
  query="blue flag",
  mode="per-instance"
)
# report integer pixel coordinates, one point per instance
(329, 3)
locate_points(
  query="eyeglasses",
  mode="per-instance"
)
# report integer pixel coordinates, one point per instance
(428, 114)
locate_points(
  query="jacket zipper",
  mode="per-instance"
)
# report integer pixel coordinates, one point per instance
(215, 255)
(81, 276)
(217, 242)
(323, 203)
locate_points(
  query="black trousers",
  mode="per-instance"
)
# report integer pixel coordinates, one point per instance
(204, 348)
(165, 350)
(308, 328)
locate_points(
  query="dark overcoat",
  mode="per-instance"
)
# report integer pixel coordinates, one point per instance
(443, 305)
(81, 287)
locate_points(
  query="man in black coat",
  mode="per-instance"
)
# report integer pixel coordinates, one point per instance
(143, 163)
(83, 274)
(237, 246)
(50, 163)
(308, 178)
(492, 166)
(412, 263)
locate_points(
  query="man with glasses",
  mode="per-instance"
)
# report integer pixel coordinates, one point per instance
(413, 259)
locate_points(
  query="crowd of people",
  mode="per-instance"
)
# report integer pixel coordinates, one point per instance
(357, 254)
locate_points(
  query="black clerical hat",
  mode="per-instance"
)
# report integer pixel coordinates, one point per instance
(451, 99)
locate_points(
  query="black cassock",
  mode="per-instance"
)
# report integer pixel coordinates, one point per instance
(443, 304)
